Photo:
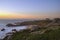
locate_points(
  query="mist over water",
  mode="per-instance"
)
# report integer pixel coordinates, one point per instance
(4, 22)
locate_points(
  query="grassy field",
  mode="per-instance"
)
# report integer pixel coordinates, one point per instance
(47, 35)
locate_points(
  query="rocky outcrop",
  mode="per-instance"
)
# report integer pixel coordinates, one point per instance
(10, 24)
(2, 29)
(33, 27)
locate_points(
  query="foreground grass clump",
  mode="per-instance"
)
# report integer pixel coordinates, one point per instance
(26, 35)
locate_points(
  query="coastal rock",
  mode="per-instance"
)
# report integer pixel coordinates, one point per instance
(2, 29)
(34, 27)
(14, 30)
(10, 33)
(10, 24)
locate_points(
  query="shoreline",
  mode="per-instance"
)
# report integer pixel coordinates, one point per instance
(9, 29)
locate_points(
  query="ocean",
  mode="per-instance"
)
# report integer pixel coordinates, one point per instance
(4, 22)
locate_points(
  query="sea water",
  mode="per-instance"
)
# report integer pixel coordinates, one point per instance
(9, 29)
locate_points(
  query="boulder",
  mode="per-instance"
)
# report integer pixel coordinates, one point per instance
(14, 30)
(9, 25)
(3, 29)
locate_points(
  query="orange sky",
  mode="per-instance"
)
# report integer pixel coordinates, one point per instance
(11, 15)
(15, 16)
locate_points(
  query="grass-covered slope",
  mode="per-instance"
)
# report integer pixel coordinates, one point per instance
(47, 35)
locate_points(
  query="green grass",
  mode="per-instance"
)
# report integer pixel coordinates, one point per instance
(26, 35)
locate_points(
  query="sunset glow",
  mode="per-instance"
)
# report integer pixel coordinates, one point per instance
(15, 15)
(29, 9)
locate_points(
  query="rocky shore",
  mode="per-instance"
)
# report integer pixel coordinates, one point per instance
(35, 27)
